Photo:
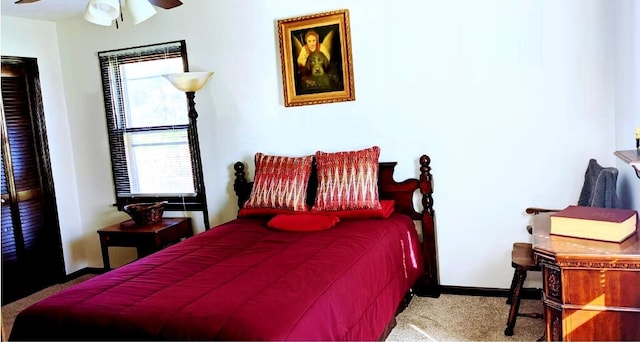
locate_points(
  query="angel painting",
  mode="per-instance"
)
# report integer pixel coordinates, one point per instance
(315, 55)
(318, 70)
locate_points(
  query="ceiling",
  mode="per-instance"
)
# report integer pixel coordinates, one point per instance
(51, 10)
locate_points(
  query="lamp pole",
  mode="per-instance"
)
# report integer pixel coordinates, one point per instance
(190, 82)
(195, 141)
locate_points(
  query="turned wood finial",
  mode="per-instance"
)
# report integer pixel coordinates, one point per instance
(240, 183)
(425, 184)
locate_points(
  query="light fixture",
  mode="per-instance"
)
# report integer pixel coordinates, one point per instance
(189, 81)
(102, 12)
(140, 10)
(105, 12)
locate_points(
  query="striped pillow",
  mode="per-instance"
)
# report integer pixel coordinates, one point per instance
(347, 180)
(280, 183)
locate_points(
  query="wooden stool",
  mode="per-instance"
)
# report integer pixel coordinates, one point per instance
(522, 261)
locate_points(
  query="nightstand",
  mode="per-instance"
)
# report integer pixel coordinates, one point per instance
(147, 239)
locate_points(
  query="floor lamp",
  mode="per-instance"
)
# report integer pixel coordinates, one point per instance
(190, 82)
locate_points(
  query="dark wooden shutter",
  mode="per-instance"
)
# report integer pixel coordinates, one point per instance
(31, 247)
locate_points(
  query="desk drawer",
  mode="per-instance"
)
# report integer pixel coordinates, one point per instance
(177, 232)
(602, 287)
(595, 325)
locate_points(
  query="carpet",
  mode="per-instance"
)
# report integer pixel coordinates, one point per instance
(465, 318)
(11, 310)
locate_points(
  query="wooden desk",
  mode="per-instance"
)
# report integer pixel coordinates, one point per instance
(591, 289)
(146, 239)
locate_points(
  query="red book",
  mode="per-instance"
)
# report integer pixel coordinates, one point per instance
(606, 224)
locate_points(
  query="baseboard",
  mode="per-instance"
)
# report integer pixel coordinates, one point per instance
(527, 293)
(84, 271)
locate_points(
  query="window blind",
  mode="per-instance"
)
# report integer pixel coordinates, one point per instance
(152, 145)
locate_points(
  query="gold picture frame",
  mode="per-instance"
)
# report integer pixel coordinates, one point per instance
(315, 54)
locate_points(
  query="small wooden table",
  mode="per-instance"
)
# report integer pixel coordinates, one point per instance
(146, 239)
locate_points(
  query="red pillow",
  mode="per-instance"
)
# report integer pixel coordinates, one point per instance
(303, 222)
(347, 180)
(280, 183)
(388, 207)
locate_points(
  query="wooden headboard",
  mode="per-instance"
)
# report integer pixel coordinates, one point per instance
(388, 189)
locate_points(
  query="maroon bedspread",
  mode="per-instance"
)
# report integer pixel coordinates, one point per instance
(242, 281)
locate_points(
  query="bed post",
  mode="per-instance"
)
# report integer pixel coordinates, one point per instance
(429, 284)
(241, 186)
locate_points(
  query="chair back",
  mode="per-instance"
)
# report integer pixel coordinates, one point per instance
(599, 188)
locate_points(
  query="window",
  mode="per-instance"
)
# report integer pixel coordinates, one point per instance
(154, 151)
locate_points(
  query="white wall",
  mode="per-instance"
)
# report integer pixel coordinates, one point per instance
(38, 39)
(627, 100)
(510, 99)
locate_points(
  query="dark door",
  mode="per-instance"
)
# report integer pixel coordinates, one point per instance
(31, 247)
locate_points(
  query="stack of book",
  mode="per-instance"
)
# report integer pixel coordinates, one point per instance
(605, 224)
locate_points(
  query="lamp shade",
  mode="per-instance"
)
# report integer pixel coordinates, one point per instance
(102, 12)
(140, 10)
(189, 81)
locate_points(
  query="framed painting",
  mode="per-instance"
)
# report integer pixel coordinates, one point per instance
(315, 54)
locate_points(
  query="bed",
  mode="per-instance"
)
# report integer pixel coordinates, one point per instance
(245, 280)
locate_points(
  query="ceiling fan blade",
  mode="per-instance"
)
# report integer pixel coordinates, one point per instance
(166, 4)
(25, 1)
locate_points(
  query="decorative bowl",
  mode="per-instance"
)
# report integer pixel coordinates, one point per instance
(144, 214)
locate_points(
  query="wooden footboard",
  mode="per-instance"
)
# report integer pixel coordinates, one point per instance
(402, 193)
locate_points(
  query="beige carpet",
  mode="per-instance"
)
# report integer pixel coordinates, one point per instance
(465, 318)
(448, 318)
(11, 310)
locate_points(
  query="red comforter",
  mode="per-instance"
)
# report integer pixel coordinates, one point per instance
(243, 281)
